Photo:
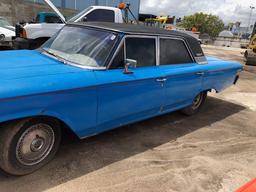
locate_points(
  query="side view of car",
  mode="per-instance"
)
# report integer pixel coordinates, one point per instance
(96, 77)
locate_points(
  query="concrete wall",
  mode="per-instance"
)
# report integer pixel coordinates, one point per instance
(19, 10)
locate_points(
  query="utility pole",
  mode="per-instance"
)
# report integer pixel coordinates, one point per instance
(250, 17)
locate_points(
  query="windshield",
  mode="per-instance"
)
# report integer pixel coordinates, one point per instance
(80, 14)
(4, 22)
(82, 46)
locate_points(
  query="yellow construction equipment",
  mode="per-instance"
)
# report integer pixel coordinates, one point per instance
(250, 53)
(157, 22)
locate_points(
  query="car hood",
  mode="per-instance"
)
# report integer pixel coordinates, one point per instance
(28, 64)
(27, 72)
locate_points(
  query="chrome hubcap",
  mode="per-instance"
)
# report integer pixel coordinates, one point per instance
(197, 101)
(35, 144)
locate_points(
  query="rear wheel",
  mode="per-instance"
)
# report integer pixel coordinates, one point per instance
(196, 105)
(27, 145)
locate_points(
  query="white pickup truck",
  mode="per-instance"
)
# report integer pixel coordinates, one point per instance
(33, 35)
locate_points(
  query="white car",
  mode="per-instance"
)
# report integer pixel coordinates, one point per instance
(6, 33)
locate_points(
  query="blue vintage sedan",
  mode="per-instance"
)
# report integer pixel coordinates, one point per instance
(95, 77)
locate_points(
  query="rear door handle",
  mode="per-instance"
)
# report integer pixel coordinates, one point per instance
(200, 73)
(161, 80)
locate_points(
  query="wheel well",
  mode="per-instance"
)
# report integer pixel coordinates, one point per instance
(66, 130)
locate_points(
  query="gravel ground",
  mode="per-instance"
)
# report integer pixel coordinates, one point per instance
(212, 151)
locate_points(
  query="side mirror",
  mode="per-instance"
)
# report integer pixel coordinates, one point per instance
(129, 63)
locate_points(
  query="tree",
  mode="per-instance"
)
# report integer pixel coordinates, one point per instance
(204, 23)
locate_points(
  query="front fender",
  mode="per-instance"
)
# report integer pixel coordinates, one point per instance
(35, 113)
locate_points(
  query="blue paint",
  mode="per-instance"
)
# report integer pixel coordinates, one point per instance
(91, 101)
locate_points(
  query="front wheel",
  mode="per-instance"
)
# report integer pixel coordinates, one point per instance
(27, 145)
(196, 105)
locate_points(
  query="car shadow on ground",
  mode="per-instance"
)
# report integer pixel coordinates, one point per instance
(78, 158)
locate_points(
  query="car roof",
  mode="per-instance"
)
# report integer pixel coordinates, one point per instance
(192, 42)
(132, 28)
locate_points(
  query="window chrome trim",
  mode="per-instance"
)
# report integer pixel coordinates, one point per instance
(158, 51)
(180, 39)
(74, 64)
(198, 60)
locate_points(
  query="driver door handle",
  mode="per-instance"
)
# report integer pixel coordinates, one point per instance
(161, 80)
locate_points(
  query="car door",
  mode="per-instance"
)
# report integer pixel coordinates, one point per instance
(125, 98)
(183, 77)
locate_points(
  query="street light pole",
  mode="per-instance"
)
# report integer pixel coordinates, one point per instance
(250, 17)
(75, 4)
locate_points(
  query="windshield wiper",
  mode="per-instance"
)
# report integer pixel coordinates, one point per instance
(56, 56)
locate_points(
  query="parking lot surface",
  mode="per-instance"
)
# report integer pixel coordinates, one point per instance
(212, 151)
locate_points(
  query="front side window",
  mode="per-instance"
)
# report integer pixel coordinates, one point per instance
(118, 61)
(143, 50)
(82, 46)
(173, 51)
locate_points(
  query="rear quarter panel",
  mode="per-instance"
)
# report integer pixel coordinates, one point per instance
(220, 74)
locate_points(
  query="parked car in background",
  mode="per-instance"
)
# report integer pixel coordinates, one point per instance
(94, 77)
(6, 33)
(33, 35)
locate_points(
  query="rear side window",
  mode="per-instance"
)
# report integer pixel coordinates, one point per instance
(101, 15)
(173, 51)
(141, 49)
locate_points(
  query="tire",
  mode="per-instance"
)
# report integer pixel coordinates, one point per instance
(198, 102)
(28, 144)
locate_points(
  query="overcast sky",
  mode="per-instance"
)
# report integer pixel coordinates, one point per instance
(227, 10)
